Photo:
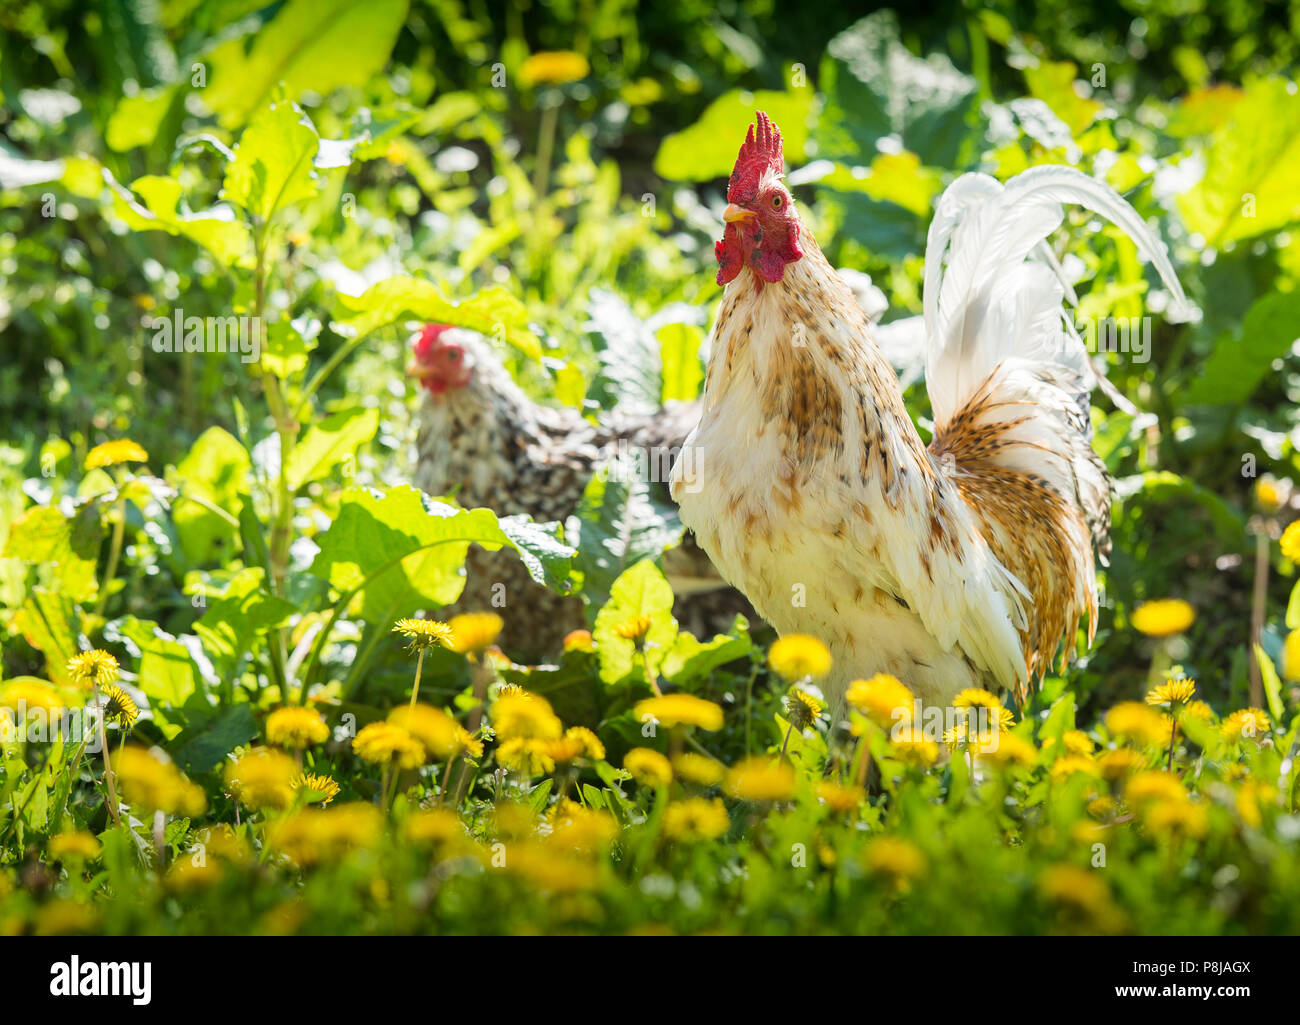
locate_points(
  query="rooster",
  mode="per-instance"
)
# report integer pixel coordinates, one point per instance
(485, 443)
(964, 563)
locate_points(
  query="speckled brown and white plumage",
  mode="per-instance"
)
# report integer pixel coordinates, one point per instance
(965, 563)
(487, 444)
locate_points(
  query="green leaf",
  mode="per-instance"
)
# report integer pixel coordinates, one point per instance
(1053, 83)
(618, 522)
(311, 45)
(708, 148)
(286, 349)
(679, 352)
(1240, 361)
(330, 442)
(404, 551)
(896, 178)
(642, 590)
(1293, 608)
(238, 617)
(876, 87)
(1164, 486)
(46, 623)
(215, 470)
(1252, 168)
(493, 311)
(690, 659)
(167, 673)
(273, 162)
(68, 547)
(216, 229)
(201, 748)
(135, 120)
(1272, 685)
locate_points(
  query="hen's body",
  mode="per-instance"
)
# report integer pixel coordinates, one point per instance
(486, 444)
(967, 563)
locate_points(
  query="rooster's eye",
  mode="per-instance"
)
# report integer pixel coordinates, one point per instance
(778, 201)
(454, 355)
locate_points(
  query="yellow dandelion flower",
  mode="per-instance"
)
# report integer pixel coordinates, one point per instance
(582, 829)
(802, 709)
(1076, 742)
(96, 667)
(1134, 721)
(554, 67)
(540, 866)
(1103, 808)
(119, 708)
(648, 767)
(698, 769)
(438, 732)
(189, 876)
(1010, 751)
(680, 710)
(577, 742)
(911, 746)
(696, 819)
(1163, 618)
(262, 779)
(760, 779)
(149, 780)
(1291, 542)
(579, 640)
(296, 727)
(25, 693)
(1246, 724)
(883, 699)
(635, 628)
(840, 798)
(1153, 786)
(424, 633)
(468, 743)
(65, 918)
(1119, 763)
(799, 657)
(1268, 493)
(1252, 798)
(78, 846)
(527, 756)
(896, 859)
(317, 789)
(1177, 818)
(1070, 765)
(975, 697)
(316, 835)
(1291, 656)
(525, 715)
(221, 841)
(1080, 888)
(110, 453)
(382, 743)
(473, 632)
(434, 827)
(1172, 692)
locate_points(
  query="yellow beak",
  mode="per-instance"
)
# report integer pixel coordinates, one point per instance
(735, 213)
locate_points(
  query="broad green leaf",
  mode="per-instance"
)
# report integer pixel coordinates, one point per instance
(46, 622)
(493, 311)
(235, 619)
(642, 590)
(214, 470)
(1272, 685)
(1240, 362)
(570, 385)
(68, 548)
(679, 352)
(287, 346)
(404, 551)
(876, 87)
(1252, 168)
(708, 148)
(896, 178)
(273, 162)
(1164, 486)
(1054, 84)
(1293, 608)
(310, 45)
(167, 674)
(619, 522)
(329, 443)
(691, 659)
(135, 120)
(216, 229)
(203, 746)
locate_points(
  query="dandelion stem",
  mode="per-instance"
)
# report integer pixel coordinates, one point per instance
(114, 553)
(110, 790)
(419, 668)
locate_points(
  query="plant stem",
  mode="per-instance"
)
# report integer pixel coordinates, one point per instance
(415, 689)
(114, 553)
(110, 790)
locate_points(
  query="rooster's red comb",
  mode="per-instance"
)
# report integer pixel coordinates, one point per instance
(760, 153)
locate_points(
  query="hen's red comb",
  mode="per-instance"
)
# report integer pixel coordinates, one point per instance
(760, 153)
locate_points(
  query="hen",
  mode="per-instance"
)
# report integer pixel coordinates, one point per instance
(484, 442)
(967, 563)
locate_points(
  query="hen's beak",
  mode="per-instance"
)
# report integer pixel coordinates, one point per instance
(734, 213)
(414, 369)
